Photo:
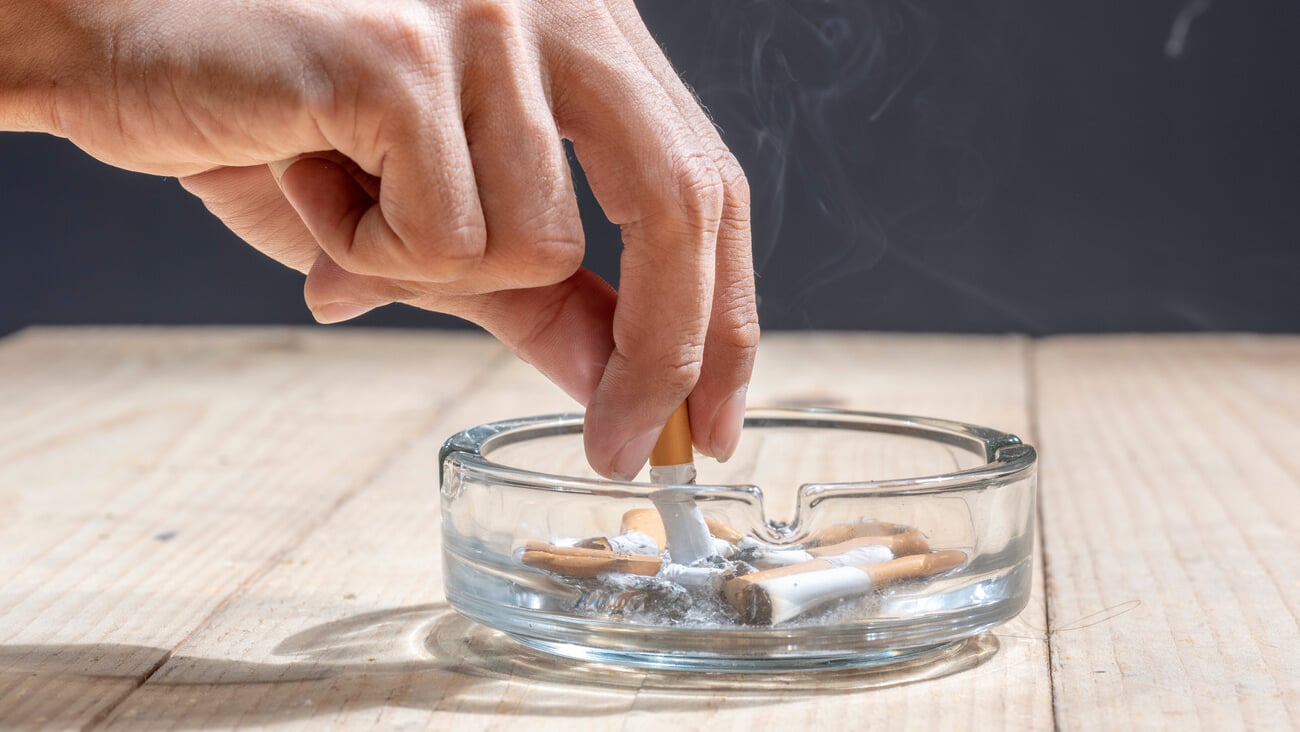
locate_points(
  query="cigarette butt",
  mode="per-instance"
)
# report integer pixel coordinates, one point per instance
(628, 542)
(709, 578)
(908, 542)
(776, 595)
(572, 561)
(852, 552)
(914, 566)
(723, 531)
(844, 532)
(647, 521)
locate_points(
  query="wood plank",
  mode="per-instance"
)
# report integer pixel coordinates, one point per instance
(146, 474)
(1170, 491)
(335, 633)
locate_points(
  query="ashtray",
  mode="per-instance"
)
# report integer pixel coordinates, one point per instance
(839, 539)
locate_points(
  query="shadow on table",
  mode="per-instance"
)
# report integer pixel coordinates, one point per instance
(420, 657)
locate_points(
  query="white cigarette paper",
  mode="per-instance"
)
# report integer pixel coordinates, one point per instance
(633, 542)
(709, 578)
(688, 537)
(777, 595)
(855, 552)
(797, 593)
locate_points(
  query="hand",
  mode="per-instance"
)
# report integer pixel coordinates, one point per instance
(433, 174)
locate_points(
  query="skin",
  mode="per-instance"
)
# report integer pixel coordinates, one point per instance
(411, 151)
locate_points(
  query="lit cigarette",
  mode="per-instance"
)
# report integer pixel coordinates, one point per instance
(776, 595)
(572, 561)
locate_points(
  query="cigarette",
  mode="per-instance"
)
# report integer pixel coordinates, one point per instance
(776, 595)
(707, 578)
(844, 532)
(886, 547)
(573, 561)
(646, 521)
(902, 544)
(688, 537)
(628, 542)
(672, 461)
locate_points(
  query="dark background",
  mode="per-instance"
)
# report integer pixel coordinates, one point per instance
(1033, 165)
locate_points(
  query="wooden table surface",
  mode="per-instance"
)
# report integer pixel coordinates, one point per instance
(216, 527)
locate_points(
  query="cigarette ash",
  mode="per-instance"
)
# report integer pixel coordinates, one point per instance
(836, 576)
(680, 595)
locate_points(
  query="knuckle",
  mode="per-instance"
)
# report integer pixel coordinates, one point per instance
(547, 247)
(552, 260)
(544, 320)
(734, 180)
(498, 16)
(451, 254)
(700, 189)
(396, 29)
(743, 337)
(680, 368)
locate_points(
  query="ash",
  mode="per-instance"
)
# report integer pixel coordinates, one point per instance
(661, 601)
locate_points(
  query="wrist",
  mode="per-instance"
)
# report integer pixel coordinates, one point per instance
(46, 48)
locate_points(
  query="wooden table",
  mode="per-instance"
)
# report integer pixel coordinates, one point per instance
(211, 527)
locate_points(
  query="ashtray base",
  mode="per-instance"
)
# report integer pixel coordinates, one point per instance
(737, 664)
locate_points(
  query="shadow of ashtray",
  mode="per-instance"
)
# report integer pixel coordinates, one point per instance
(436, 638)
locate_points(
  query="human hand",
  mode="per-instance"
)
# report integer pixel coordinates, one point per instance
(434, 174)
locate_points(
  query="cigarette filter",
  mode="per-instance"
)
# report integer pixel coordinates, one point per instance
(908, 542)
(674, 445)
(843, 532)
(777, 595)
(572, 561)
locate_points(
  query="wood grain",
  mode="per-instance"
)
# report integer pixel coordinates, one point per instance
(1171, 493)
(334, 633)
(147, 475)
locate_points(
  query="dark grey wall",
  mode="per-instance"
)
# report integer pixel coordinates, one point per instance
(1029, 165)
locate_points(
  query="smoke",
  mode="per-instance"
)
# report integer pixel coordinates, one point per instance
(864, 125)
(1182, 25)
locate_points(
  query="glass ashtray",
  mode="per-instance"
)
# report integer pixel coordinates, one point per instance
(874, 538)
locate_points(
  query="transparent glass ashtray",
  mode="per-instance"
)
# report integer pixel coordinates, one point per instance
(836, 539)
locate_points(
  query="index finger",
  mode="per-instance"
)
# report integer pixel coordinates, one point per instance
(654, 178)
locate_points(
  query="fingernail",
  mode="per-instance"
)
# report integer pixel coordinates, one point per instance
(279, 166)
(629, 460)
(726, 427)
(337, 312)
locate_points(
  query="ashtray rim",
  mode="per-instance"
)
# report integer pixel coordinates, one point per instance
(1006, 456)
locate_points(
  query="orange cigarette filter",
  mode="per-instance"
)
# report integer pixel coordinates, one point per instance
(674, 445)
(648, 522)
(584, 562)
